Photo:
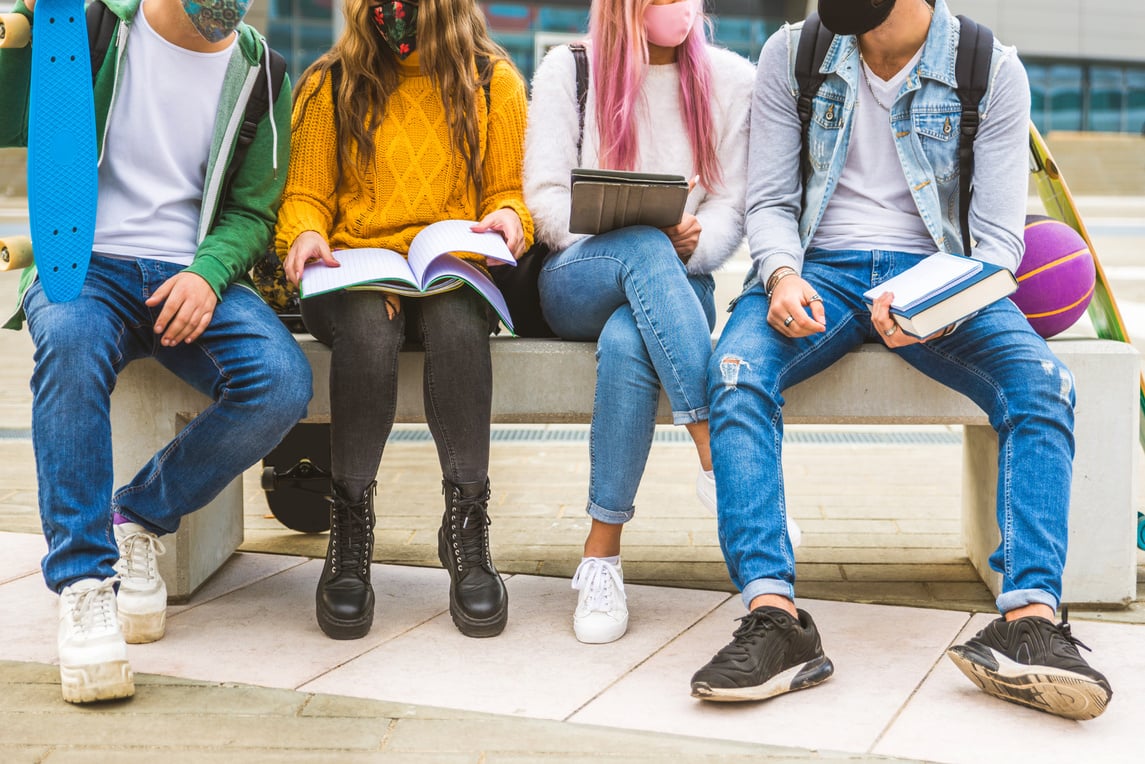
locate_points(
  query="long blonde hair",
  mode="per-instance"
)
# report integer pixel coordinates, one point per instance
(451, 38)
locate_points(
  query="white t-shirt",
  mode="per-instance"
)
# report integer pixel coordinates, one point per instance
(872, 207)
(156, 147)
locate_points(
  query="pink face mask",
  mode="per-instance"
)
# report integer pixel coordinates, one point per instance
(669, 25)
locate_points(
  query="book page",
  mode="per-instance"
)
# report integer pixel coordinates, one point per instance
(448, 269)
(932, 276)
(447, 236)
(359, 266)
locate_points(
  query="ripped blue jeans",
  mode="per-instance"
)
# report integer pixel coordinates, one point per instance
(994, 358)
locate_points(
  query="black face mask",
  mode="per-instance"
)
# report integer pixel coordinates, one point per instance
(854, 16)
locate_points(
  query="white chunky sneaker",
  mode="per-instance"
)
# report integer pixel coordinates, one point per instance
(601, 609)
(93, 655)
(142, 593)
(706, 493)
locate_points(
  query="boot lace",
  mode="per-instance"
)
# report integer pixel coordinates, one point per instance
(469, 523)
(351, 534)
(602, 580)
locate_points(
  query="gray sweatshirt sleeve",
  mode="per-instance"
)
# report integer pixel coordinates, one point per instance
(774, 185)
(1001, 166)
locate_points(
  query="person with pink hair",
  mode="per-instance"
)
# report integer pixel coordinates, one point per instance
(661, 99)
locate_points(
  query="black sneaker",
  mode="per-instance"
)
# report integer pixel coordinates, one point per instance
(1034, 662)
(770, 653)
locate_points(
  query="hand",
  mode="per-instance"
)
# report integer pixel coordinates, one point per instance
(188, 306)
(307, 247)
(685, 235)
(790, 300)
(883, 323)
(506, 222)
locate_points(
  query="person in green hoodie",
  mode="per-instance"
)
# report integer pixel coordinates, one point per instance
(177, 229)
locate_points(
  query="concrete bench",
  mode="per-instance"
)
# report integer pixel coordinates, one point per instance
(869, 386)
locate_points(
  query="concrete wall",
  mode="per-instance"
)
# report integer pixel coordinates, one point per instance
(1095, 29)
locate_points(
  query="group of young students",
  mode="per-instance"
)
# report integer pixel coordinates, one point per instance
(415, 115)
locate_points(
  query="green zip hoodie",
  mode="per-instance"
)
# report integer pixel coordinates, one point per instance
(233, 231)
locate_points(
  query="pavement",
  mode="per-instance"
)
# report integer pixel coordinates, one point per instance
(244, 674)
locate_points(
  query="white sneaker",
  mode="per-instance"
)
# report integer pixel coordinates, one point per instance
(93, 655)
(601, 609)
(142, 592)
(706, 493)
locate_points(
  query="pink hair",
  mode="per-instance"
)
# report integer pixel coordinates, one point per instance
(620, 52)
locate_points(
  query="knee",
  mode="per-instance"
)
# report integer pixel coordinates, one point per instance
(1048, 392)
(280, 383)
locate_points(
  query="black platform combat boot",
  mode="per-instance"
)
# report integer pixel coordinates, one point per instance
(478, 601)
(345, 599)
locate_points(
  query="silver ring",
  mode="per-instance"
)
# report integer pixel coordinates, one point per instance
(890, 332)
(788, 321)
(814, 298)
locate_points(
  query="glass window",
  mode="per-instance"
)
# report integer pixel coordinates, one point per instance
(1135, 100)
(1063, 96)
(1107, 98)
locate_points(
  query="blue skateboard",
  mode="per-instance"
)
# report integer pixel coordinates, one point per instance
(62, 173)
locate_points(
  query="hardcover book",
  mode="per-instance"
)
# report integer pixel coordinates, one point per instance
(430, 268)
(605, 200)
(941, 290)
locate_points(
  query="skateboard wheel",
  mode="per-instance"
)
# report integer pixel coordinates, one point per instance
(15, 252)
(269, 479)
(14, 30)
(1140, 531)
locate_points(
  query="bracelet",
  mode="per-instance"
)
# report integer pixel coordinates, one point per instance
(773, 282)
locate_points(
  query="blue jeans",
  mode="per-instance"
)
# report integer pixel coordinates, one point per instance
(652, 323)
(994, 358)
(246, 361)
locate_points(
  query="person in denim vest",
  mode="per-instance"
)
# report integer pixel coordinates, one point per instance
(669, 102)
(882, 194)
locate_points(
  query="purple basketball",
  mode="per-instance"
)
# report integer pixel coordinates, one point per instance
(1056, 277)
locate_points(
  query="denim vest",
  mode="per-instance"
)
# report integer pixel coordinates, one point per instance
(926, 116)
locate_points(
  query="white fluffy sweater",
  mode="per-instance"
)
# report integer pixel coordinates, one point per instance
(550, 148)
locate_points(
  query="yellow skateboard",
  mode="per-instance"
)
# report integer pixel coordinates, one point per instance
(1058, 201)
(1102, 310)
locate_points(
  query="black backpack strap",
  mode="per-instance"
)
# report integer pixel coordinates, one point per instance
(580, 56)
(257, 106)
(814, 42)
(972, 70)
(101, 22)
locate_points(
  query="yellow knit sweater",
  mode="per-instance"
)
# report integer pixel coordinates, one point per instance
(416, 178)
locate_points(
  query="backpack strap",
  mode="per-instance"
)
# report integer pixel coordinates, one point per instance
(257, 106)
(580, 57)
(101, 22)
(814, 42)
(972, 70)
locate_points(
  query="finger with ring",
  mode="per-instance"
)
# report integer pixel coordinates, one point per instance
(890, 332)
(788, 321)
(814, 298)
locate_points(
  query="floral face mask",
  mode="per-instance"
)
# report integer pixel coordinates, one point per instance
(396, 21)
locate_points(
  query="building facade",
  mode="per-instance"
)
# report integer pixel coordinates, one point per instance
(1085, 60)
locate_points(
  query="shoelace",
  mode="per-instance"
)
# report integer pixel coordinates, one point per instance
(1063, 628)
(352, 538)
(140, 551)
(752, 627)
(601, 580)
(93, 610)
(473, 519)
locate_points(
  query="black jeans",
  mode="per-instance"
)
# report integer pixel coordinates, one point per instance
(453, 328)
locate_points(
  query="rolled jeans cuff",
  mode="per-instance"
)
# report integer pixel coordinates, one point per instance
(690, 417)
(762, 586)
(1017, 598)
(597, 512)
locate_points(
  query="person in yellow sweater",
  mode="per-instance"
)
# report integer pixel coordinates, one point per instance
(414, 116)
